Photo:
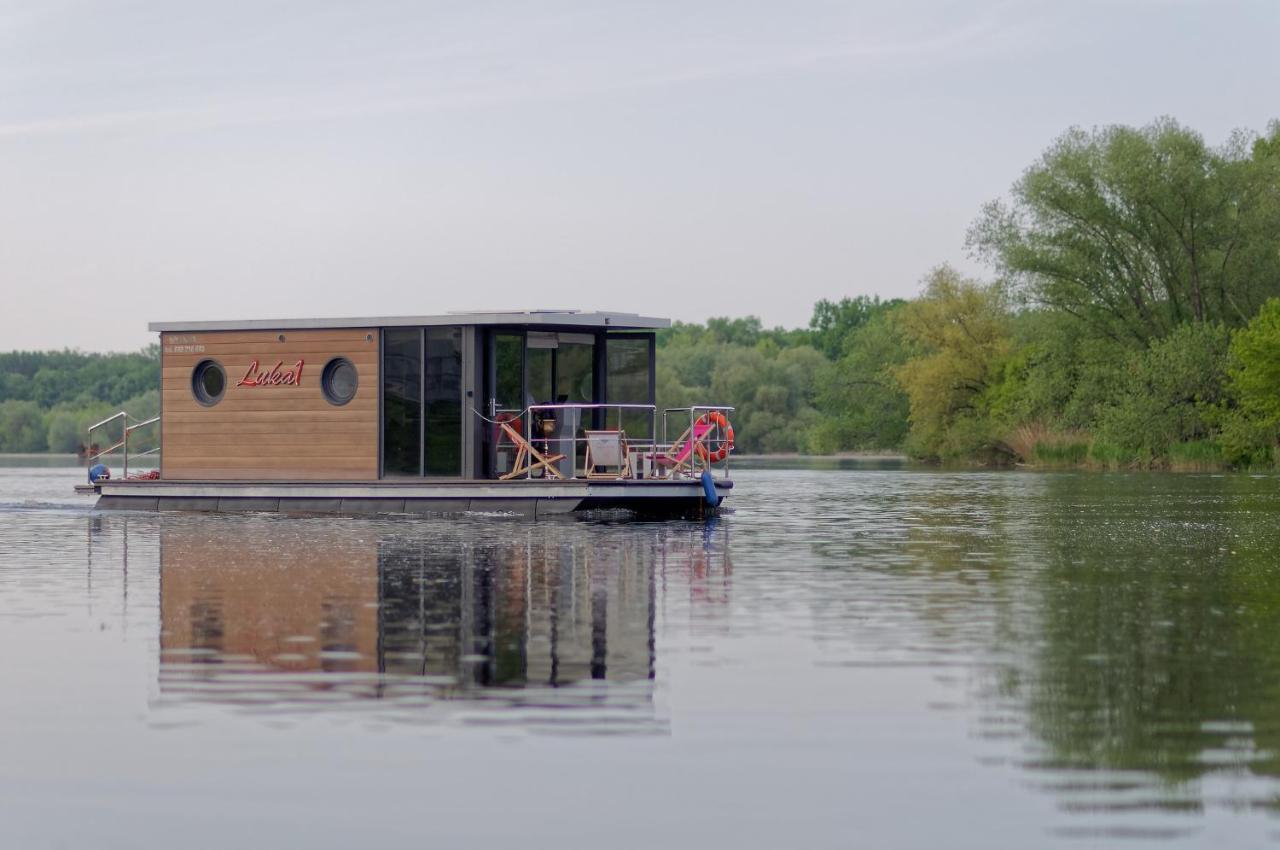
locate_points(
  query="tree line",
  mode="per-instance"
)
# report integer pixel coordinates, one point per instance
(1131, 319)
(48, 399)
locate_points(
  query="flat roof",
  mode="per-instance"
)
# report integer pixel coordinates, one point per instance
(556, 318)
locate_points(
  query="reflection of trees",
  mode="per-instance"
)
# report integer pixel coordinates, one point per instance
(1124, 626)
(1157, 644)
(930, 564)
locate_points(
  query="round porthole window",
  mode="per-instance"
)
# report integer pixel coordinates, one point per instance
(208, 382)
(338, 381)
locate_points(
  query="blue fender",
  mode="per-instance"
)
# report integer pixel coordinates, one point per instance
(709, 489)
(98, 472)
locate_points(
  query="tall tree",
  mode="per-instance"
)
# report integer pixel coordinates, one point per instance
(1139, 230)
(833, 322)
(962, 328)
(862, 405)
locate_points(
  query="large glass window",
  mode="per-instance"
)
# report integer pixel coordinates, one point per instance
(443, 400)
(538, 367)
(508, 350)
(540, 388)
(627, 362)
(575, 384)
(540, 371)
(575, 371)
(422, 402)
(505, 383)
(402, 402)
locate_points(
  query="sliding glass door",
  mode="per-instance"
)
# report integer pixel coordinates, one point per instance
(442, 402)
(401, 402)
(504, 382)
(533, 367)
(422, 412)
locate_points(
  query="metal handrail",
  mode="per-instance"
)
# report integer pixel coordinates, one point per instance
(605, 406)
(652, 443)
(694, 412)
(124, 439)
(112, 418)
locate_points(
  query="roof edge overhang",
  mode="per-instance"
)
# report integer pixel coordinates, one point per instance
(602, 321)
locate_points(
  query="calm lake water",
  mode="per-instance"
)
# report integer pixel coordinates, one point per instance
(854, 658)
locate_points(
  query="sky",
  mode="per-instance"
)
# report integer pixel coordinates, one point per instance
(173, 161)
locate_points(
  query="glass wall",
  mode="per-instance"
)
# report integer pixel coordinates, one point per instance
(422, 411)
(508, 351)
(575, 371)
(401, 402)
(627, 380)
(538, 367)
(442, 399)
(541, 364)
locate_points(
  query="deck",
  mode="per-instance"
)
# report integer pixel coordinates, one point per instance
(531, 498)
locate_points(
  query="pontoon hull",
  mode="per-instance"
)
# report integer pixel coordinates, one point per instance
(530, 499)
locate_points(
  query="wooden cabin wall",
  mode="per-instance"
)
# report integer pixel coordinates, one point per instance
(269, 433)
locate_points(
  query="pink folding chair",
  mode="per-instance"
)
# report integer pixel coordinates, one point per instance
(679, 458)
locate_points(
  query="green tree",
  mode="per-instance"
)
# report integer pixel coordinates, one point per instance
(65, 432)
(766, 375)
(22, 427)
(1255, 364)
(961, 327)
(1057, 375)
(834, 323)
(860, 401)
(59, 377)
(1136, 231)
(1250, 416)
(1165, 392)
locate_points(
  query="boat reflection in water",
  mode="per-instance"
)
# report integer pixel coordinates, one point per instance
(431, 618)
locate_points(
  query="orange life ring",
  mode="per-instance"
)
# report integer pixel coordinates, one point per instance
(717, 418)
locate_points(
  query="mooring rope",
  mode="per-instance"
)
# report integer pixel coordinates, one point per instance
(500, 421)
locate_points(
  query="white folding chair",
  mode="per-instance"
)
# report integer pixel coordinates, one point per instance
(607, 455)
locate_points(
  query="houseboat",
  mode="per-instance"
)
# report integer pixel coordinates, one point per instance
(535, 413)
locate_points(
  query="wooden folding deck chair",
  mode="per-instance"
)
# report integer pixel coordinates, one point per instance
(679, 458)
(528, 458)
(607, 455)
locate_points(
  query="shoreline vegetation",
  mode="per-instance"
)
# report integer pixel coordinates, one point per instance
(1131, 321)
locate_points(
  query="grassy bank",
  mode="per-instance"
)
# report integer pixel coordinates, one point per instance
(1043, 449)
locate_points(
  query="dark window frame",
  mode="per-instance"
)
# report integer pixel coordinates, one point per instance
(326, 381)
(198, 392)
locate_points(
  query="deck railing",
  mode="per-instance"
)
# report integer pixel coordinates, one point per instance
(650, 457)
(695, 413)
(123, 443)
